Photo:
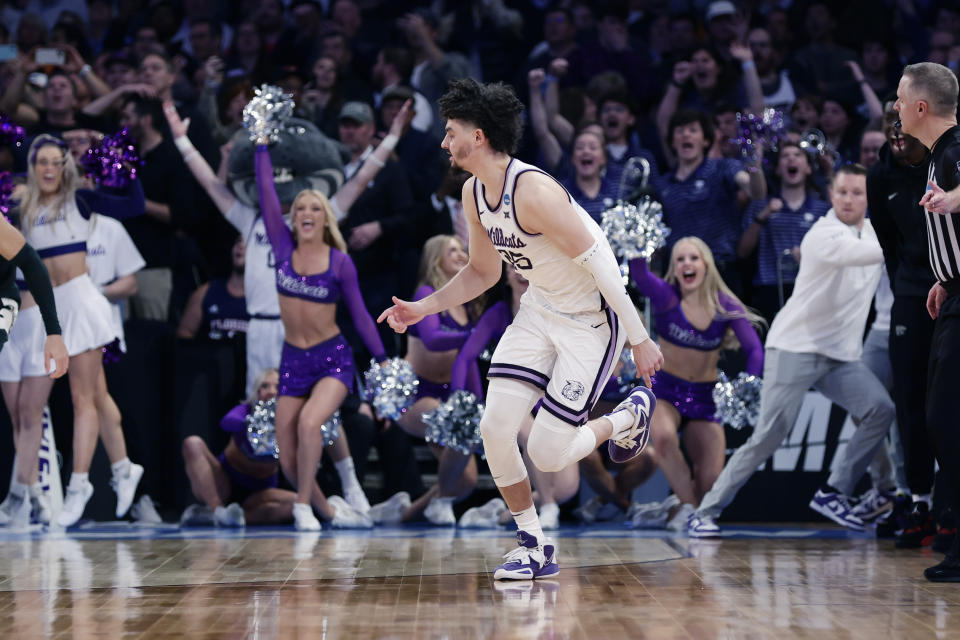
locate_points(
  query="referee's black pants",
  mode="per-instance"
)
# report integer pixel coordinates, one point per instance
(943, 393)
(911, 333)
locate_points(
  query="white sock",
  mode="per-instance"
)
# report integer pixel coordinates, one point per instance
(621, 420)
(18, 489)
(528, 520)
(924, 497)
(347, 473)
(121, 468)
(77, 480)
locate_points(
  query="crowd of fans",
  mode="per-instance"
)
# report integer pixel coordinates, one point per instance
(623, 99)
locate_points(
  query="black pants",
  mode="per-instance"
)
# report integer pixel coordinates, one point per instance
(942, 392)
(911, 333)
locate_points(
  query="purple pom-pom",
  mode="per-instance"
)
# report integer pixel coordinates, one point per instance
(6, 194)
(10, 132)
(114, 162)
(759, 131)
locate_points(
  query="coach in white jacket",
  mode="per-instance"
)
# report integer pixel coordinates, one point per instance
(816, 340)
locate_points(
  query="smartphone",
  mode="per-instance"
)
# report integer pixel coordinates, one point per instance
(7, 52)
(46, 55)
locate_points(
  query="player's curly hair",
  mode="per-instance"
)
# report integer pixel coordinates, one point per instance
(493, 108)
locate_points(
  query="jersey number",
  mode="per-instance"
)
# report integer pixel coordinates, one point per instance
(516, 260)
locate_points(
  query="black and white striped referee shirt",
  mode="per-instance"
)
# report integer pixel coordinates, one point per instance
(943, 230)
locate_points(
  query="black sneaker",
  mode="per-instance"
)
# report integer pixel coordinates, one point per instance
(919, 530)
(897, 519)
(946, 571)
(946, 532)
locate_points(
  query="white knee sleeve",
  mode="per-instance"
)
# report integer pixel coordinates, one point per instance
(508, 402)
(554, 444)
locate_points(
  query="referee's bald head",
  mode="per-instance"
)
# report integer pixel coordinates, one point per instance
(935, 84)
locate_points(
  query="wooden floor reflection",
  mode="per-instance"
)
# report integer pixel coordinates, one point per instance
(399, 585)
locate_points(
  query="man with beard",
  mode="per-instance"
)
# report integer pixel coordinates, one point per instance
(169, 192)
(775, 82)
(217, 310)
(927, 105)
(894, 186)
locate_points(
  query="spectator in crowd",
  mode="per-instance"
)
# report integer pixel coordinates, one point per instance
(489, 33)
(700, 196)
(377, 226)
(205, 40)
(169, 192)
(246, 57)
(778, 91)
(773, 229)
(393, 68)
(217, 310)
(222, 105)
(322, 99)
(613, 52)
(819, 67)
(433, 68)
(419, 152)
(870, 143)
(559, 41)
(353, 83)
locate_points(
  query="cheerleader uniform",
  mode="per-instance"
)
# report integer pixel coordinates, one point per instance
(85, 314)
(439, 332)
(300, 368)
(693, 400)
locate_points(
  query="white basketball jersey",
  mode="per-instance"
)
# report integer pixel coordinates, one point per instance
(555, 281)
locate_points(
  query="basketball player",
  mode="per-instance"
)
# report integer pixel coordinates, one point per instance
(567, 335)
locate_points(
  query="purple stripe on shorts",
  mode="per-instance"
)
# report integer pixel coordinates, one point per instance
(608, 358)
(519, 373)
(564, 413)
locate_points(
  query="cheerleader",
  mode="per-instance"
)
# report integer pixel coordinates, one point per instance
(695, 314)
(317, 371)
(54, 216)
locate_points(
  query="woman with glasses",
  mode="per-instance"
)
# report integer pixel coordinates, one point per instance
(54, 214)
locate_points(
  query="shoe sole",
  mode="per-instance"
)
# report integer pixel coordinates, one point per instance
(873, 515)
(550, 571)
(702, 535)
(826, 513)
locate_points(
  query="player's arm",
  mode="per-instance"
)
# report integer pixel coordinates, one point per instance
(943, 197)
(544, 207)
(481, 273)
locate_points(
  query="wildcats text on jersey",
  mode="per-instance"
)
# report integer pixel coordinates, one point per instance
(500, 239)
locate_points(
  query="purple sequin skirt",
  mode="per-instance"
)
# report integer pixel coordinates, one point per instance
(694, 400)
(428, 389)
(300, 369)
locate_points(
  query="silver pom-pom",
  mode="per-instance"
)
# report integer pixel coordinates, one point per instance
(331, 429)
(265, 115)
(261, 428)
(391, 388)
(738, 400)
(635, 231)
(455, 423)
(628, 372)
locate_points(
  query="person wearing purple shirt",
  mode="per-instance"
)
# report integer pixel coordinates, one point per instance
(431, 351)
(695, 314)
(774, 227)
(317, 369)
(699, 197)
(240, 478)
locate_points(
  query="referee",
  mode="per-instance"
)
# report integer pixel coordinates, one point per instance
(927, 104)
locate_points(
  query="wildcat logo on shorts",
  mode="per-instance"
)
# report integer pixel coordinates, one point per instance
(572, 390)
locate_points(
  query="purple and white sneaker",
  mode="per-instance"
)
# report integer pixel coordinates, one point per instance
(835, 506)
(529, 560)
(626, 445)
